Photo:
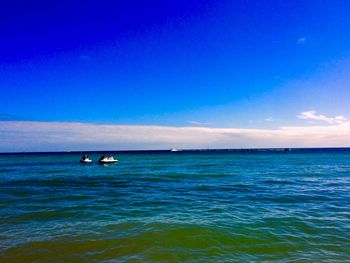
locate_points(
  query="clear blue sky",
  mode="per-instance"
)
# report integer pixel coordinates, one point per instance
(185, 62)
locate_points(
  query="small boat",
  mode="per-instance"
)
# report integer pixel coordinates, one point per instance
(105, 159)
(85, 159)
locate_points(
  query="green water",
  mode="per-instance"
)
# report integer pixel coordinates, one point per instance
(176, 208)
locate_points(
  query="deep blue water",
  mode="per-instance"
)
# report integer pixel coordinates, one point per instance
(167, 207)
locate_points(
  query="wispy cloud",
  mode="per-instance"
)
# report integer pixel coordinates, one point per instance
(313, 116)
(198, 123)
(301, 40)
(269, 119)
(64, 136)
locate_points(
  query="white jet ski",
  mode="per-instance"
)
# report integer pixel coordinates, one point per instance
(105, 159)
(85, 159)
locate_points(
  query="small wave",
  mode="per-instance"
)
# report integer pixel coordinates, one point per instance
(58, 171)
(6, 170)
(270, 181)
(297, 198)
(44, 216)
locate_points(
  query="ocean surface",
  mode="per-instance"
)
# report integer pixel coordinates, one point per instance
(176, 207)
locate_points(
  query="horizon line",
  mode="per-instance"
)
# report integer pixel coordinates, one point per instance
(188, 150)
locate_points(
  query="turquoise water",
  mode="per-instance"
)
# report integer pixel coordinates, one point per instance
(175, 208)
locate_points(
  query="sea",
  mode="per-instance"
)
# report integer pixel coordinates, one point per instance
(256, 205)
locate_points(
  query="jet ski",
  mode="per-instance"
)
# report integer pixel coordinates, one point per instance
(85, 159)
(105, 159)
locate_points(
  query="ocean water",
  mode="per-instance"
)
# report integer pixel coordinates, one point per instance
(233, 207)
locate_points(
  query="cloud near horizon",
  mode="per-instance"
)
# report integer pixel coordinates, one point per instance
(73, 136)
(313, 116)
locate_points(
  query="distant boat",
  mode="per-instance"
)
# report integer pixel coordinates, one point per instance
(174, 150)
(105, 159)
(85, 159)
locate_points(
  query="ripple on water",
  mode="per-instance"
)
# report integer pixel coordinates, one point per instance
(7, 170)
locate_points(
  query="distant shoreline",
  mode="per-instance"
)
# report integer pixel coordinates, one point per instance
(201, 151)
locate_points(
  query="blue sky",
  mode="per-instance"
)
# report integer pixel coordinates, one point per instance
(218, 64)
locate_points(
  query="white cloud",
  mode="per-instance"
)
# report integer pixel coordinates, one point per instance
(66, 136)
(301, 40)
(312, 115)
(269, 119)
